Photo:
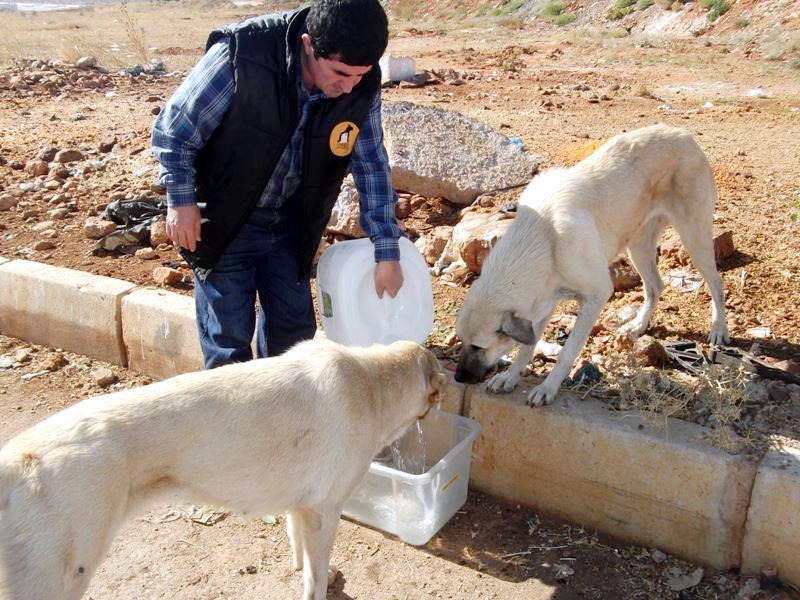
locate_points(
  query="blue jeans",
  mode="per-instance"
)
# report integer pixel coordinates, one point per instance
(260, 262)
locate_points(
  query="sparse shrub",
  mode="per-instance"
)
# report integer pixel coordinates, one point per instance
(513, 23)
(565, 19)
(618, 33)
(552, 9)
(625, 3)
(795, 204)
(615, 13)
(741, 23)
(509, 8)
(644, 92)
(715, 8)
(644, 4)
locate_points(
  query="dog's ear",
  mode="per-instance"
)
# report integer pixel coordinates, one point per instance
(437, 383)
(517, 328)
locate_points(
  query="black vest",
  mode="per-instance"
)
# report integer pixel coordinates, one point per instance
(235, 165)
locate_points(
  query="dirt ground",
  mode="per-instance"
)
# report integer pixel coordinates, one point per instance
(562, 91)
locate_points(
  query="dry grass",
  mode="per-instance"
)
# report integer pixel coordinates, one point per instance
(117, 35)
(135, 33)
(717, 392)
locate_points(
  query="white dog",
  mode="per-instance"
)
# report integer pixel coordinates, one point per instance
(570, 225)
(294, 433)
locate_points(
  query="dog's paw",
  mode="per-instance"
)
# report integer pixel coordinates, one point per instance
(540, 395)
(719, 336)
(502, 383)
(631, 330)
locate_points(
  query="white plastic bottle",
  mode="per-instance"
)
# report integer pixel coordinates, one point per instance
(352, 313)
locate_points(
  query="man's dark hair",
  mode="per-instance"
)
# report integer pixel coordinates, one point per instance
(355, 30)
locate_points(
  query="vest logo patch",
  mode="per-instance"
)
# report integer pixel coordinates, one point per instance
(343, 137)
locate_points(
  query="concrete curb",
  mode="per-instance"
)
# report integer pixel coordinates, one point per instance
(772, 536)
(575, 459)
(159, 332)
(68, 309)
(613, 472)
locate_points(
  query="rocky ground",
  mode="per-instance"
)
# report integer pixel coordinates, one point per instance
(75, 138)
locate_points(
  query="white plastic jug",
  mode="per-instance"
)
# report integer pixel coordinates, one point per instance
(352, 313)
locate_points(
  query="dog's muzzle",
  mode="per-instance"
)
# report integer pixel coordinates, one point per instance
(472, 366)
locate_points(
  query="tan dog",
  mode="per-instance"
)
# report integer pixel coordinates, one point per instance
(570, 225)
(290, 434)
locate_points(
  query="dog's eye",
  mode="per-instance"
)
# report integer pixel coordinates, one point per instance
(501, 334)
(476, 348)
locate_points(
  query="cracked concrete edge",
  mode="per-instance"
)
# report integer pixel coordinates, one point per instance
(772, 533)
(574, 459)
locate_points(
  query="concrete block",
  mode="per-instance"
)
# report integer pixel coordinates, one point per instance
(452, 399)
(613, 472)
(64, 308)
(159, 331)
(772, 534)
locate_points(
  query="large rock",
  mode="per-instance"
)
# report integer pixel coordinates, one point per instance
(434, 152)
(345, 215)
(476, 235)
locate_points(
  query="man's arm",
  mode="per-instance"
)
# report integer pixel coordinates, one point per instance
(182, 128)
(373, 179)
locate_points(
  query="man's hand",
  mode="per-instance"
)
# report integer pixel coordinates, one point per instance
(388, 277)
(183, 226)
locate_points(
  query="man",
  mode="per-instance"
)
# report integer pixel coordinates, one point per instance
(253, 148)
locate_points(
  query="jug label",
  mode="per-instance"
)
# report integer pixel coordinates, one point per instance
(327, 305)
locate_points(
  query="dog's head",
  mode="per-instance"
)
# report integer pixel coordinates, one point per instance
(487, 332)
(434, 382)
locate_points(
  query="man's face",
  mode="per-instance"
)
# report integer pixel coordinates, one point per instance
(329, 75)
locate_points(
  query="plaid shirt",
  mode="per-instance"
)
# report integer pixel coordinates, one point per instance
(198, 107)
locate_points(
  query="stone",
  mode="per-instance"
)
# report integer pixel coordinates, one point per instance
(345, 217)
(58, 214)
(68, 156)
(432, 245)
(146, 253)
(723, 245)
(43, 245)
(86, 62)
(107, 143)
(433, 152)
(104, 376)
(47, 154)
(158, 233)
(36, 167)
(403, 208)
(475, 235)
(165, 276)
(624, 276)
(95, 228)
(7, 202)
(650, 352)
(43, 226)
